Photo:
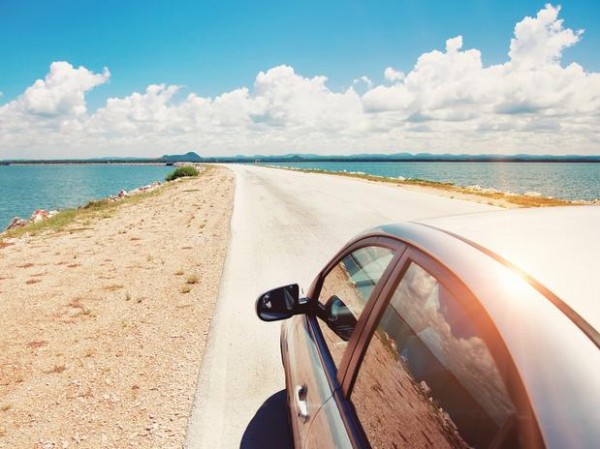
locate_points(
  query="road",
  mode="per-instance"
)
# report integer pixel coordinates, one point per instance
(285, 227)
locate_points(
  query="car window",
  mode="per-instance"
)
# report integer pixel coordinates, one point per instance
(428, 378)
(345, 292)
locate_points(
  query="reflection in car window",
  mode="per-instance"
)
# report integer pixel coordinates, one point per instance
(428, 378)
(346, 289)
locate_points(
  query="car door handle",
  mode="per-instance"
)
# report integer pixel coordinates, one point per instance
(300, 397)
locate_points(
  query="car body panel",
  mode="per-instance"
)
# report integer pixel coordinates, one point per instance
(328, 430)
(301, 331)
(304, 369)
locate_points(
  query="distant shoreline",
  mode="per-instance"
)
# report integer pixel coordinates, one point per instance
(298, 159)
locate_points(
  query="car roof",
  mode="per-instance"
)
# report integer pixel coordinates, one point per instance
(558, 247)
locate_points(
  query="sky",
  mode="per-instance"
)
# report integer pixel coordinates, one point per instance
(94, 78)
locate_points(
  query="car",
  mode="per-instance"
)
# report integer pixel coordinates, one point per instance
(479, 330)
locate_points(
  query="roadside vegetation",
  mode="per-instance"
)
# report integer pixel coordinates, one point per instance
(514, 199)
(182, 172)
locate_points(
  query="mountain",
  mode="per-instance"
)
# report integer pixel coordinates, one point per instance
(187, 157)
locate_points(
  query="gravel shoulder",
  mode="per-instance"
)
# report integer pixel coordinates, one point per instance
(103, 325)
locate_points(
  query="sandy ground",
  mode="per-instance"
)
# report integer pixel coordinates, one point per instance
(100, 339)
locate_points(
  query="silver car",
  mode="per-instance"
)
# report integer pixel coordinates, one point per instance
(479, 330)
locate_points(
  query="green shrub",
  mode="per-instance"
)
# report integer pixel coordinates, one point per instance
(181, 172)
(97, 204)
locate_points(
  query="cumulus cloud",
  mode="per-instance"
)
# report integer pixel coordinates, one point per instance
(541, 40)
(365, 81)
(137, 112)
(391, 74)
(449, 101)
(62, 92)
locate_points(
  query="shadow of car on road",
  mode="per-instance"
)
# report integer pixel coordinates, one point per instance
(270, 426)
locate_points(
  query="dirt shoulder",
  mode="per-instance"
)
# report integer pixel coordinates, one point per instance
(103, 324)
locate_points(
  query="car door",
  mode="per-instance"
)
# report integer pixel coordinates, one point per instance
(429, 369)
(314, 349)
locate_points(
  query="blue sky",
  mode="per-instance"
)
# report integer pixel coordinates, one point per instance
(213, 47)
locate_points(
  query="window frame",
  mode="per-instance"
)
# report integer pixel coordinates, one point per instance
(338, 373)
(466, 299)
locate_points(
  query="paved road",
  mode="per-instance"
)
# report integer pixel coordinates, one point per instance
(285, 227)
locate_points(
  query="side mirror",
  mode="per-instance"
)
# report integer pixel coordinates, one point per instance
(280, 303)
(339, 318)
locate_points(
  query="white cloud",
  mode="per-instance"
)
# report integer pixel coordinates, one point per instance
(365, 81)
(541, 40)
(391, 74)
(62, 91)
(449, 101)
(137, 112)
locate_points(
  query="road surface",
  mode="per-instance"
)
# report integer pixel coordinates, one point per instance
(285, 227)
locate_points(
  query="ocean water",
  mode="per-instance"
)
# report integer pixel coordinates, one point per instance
(25, 188)
(571, 181)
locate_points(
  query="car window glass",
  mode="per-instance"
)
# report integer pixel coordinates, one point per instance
(345, 292)
(428, 377)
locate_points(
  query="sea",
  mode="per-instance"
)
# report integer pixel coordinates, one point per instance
(25, 188)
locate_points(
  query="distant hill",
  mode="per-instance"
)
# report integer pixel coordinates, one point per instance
(187, 157)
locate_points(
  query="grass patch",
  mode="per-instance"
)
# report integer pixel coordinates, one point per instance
(97, 205)
(56, 223)
(192, 279)
(185, 289)
(182, 172)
